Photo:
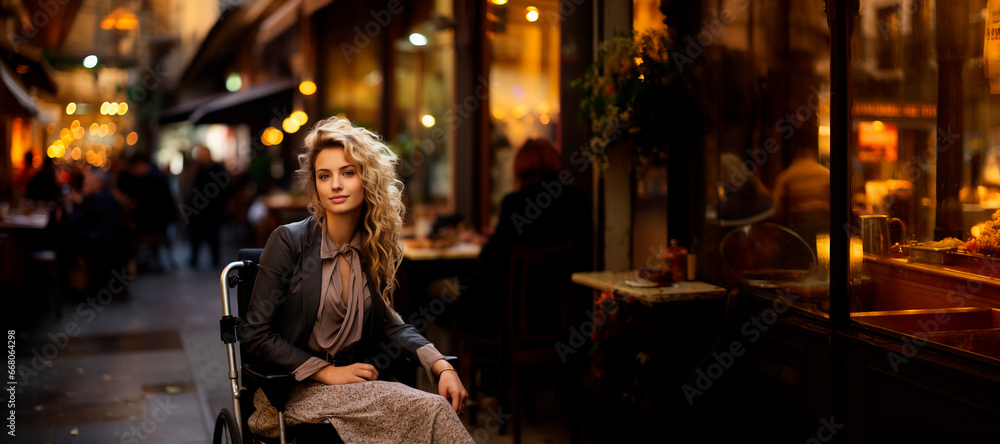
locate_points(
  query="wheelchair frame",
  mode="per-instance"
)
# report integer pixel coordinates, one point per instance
(275, 383)
(228, 326)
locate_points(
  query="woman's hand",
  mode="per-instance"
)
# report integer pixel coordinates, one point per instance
(334, 375)
(450, 385)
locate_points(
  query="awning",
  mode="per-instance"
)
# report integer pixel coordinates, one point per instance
(256, 105)
(182, 111)
(217, 48)
(13, 96)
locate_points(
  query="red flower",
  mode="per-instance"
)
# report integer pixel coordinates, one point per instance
(609, 90)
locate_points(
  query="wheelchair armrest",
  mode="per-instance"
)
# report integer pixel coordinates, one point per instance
(276, 383)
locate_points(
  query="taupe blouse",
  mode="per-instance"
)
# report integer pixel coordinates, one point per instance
(339, 323)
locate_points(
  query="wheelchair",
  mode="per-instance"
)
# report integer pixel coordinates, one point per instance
(245, 378)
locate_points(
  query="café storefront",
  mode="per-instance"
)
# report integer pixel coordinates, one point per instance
(845, 193)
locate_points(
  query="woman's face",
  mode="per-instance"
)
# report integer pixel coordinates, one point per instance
(338, 184)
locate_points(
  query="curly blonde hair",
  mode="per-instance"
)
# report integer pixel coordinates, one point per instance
(382, 211)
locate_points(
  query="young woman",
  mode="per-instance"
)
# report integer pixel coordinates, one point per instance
(322, 303)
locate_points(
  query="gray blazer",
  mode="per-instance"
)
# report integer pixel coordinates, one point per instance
(285, 302)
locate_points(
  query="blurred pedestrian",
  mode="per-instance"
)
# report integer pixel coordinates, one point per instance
(205, 209)
(90, 231)
(153, 210)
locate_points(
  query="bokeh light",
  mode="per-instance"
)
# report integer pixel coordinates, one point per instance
(290, 125)
(271, 136)
(234, 82)
(418, 39)
(531, 13)
(307, 88)
(301, 117)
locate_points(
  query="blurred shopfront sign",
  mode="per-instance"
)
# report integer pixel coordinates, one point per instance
(877, 142)
(895, 110)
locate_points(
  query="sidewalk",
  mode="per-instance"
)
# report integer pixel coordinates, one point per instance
(146, 365)
(132, 365)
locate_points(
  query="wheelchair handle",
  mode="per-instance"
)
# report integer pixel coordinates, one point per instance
(227, 283)
(227, 314)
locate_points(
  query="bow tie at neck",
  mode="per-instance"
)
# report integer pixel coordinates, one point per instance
(330, 250)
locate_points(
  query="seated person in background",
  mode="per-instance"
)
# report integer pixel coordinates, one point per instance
(541, 211)
(322, 305)
(744, 199)
(802, 195)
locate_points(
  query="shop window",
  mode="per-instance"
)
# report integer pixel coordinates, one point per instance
(352, 66)
(766, 149)
(523, 43)
(925, 181)
(424, 117)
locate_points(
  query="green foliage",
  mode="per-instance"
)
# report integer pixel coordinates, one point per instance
(632, 92)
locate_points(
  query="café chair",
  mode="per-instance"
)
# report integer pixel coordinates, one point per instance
(247, 376)
(765, 253)
(535, 317)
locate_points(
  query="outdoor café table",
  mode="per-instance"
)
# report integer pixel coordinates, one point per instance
(422, 265)
(617, 282)
(642, 344)
(458, 251)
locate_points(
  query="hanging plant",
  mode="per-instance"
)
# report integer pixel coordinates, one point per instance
(631, 91)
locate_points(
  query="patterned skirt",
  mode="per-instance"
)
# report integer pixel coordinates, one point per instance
(365, 412)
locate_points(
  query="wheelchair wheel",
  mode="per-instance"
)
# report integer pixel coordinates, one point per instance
(227, 430)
